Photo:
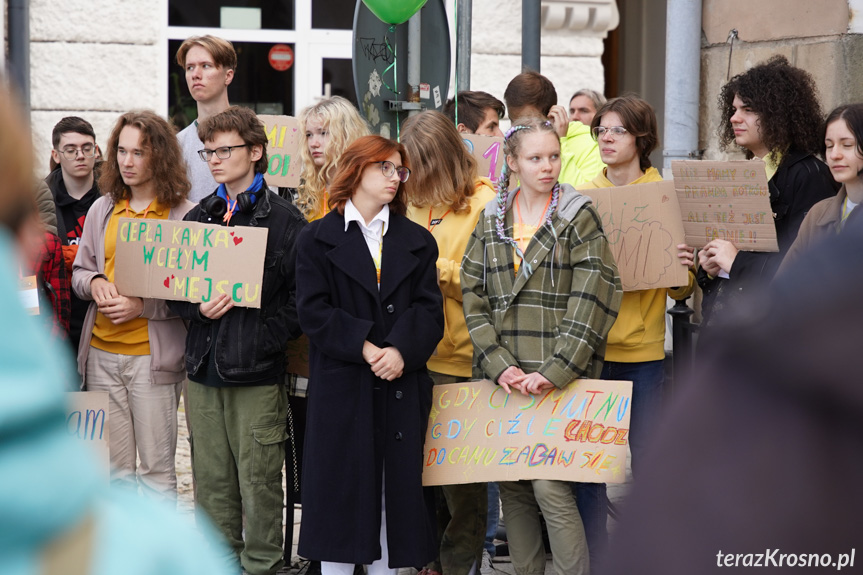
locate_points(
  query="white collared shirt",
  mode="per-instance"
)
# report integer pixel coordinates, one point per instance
(374, 232)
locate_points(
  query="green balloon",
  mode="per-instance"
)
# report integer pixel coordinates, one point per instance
(394, 11)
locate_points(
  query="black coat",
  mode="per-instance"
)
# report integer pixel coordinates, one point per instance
(800, 182)
(356, 421)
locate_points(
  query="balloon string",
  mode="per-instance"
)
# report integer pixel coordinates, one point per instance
(392, 66)
(395, 69)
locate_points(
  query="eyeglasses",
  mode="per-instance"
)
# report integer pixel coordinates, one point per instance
(388, 168)
(87, 150)
(222, 153)
(615, 131)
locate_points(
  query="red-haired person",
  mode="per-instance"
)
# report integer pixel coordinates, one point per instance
(369, 302)
(143, 176)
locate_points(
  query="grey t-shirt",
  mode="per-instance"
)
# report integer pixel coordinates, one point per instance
(198, 171)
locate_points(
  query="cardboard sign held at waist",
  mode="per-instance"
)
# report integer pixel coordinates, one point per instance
(189, 261)
(87, 421)
(643, 226)
(478, 433)
(726, 201)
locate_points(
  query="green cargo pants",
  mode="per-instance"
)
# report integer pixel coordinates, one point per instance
(238, 449)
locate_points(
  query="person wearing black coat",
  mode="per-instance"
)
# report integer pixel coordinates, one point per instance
(368, 300)
(772, 113)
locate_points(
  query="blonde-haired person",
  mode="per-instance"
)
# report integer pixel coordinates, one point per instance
(541, 292)
(327, 129)
(446, 197)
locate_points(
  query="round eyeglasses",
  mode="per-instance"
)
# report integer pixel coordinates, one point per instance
(70, 153)
(615, 131)
(222, 153)
(388, 168)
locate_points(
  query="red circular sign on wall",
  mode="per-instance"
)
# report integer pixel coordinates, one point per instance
(281, 57)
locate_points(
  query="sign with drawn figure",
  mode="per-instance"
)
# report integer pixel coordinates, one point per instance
(478, 433)
(189, 261)
(488, 153)
(643, 226)
(87, 421)
(727, 201)
(283, 150)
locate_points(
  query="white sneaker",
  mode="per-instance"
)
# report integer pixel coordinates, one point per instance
(486, 568)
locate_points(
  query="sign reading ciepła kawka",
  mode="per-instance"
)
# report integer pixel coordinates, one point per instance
(726, 201)
(478, 433)
(189, 261)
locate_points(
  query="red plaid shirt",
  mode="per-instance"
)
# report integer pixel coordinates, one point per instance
(56, 282)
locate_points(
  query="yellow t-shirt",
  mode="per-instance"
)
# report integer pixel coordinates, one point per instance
(131, 337)
(522, 234)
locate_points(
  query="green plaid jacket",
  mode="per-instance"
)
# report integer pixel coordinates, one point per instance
(553, 320)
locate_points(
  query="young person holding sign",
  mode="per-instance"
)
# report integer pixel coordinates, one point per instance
(774, 115)
(235, 355)
(541, 292)
(371, 307)
(626, 131)
(132, 347)
(446, 197)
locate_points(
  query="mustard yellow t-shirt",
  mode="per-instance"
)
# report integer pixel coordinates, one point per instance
(131, 337)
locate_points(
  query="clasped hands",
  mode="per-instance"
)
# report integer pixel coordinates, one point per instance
(386, 363)
(117, 308)
(527, 383)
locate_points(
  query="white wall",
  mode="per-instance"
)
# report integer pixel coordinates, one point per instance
(571, 60)
(94, 59)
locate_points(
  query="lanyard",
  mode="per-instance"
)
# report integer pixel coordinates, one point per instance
(378, 259)
(434, 222)
(229, 212)
(541, 215)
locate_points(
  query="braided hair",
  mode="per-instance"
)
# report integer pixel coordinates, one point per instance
(511, 144)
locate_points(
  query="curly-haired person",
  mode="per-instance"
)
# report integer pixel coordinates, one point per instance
(773, 113)
(132, 347)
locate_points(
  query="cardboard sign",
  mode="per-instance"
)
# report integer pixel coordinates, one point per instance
(283, 149)
(488, 153)
(478, 433)
(87, 421)
(643, 226)
(727, 201)
(189, 261)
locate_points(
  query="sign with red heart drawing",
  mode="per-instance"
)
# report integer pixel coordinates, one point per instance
(189, 261)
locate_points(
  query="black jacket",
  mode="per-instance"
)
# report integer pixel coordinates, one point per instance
(801, 181)
(249, 342)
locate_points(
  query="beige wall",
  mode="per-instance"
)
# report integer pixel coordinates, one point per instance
(811, 34)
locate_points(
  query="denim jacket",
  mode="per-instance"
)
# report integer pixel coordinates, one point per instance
(250, 342)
